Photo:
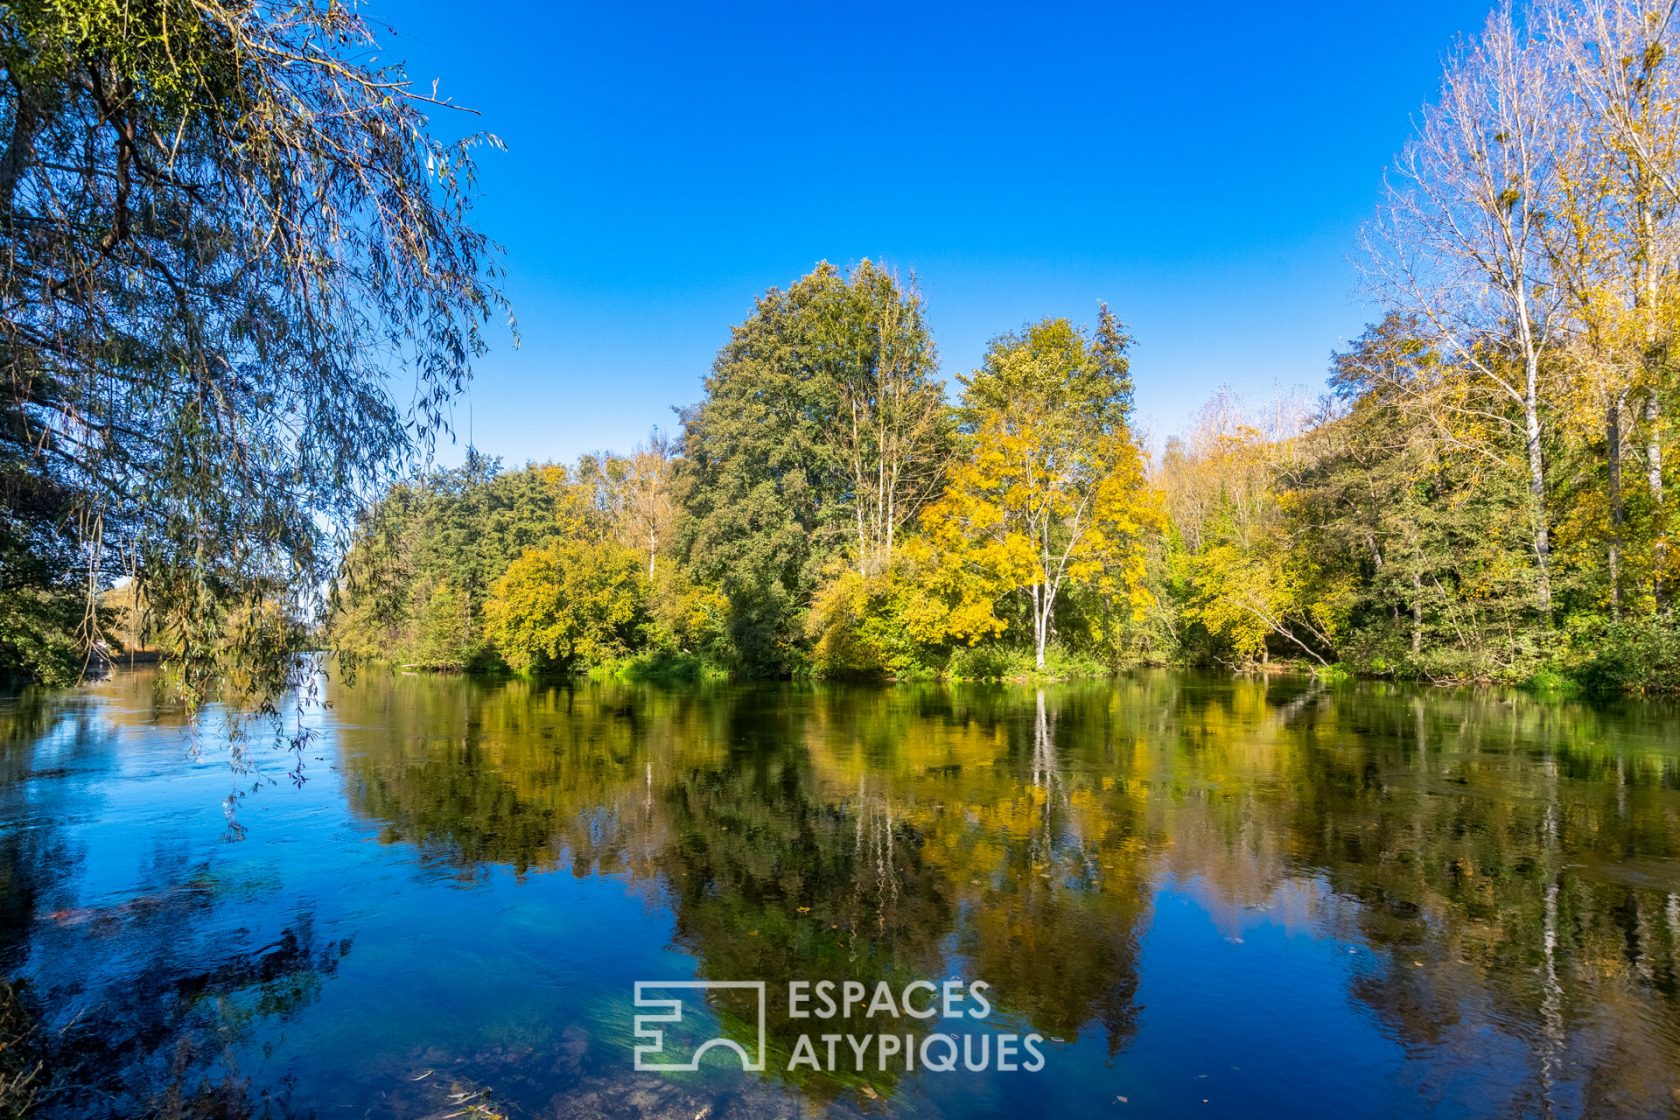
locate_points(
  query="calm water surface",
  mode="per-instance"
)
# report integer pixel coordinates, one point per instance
(1210, 897)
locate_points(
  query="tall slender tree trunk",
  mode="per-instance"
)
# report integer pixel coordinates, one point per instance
(1537, 485)
(1417, 613)
(1041, 621)
(1654, 477)
(1653, 405)
(1613, 451)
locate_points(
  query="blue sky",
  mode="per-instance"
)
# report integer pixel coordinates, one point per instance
(1204, 169)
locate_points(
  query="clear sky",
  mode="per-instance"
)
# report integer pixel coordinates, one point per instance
(1203, 168)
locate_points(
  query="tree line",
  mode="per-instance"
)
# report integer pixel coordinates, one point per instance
(1484, 493)
(198, 331)
(1481, 493)
(824, 510)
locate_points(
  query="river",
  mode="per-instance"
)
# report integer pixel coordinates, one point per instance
(1166, 895)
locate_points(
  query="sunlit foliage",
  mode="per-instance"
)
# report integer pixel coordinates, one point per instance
(225, 230)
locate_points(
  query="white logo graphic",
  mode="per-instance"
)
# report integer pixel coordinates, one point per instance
(650, 1054)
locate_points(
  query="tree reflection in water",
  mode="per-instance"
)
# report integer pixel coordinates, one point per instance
(151, 1022)
(1506, 861)
(1504, 867)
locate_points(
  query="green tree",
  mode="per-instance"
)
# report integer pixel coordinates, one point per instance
(1425, 538)
(820, 434)
(425, 558)
(226, 229)
(571, 603)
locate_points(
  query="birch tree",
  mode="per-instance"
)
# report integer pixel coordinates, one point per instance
(650, 504)
(1459, 240)
(636, 495)
(1620, 70)
(1051, 490)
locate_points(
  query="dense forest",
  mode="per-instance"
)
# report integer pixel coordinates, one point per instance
(1481, 493)
(824, 510)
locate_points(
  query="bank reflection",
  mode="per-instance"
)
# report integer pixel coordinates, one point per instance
(1508, 864)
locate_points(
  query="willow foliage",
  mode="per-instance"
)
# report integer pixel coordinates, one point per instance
(232, 248)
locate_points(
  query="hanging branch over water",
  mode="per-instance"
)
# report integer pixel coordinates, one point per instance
(232, 245)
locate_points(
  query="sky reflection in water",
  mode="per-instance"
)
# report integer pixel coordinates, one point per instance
(1269, 896)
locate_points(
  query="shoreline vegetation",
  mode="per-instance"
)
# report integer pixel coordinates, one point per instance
(200, 455)
(826, 513)
(1483, 493)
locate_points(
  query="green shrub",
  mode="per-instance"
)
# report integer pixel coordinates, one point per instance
(664, 666)
(1336, 673)
(1641, 656)
(1549, 680)
(989, 662)
(993, 661)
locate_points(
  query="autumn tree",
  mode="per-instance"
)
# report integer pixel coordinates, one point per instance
(574, 602)
(650, 508)
(636, 494)
(1238, 578)
(1049, 490)
(1459, 242)
(1615, 244)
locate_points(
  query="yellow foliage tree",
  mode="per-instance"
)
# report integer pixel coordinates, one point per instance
(1050, 492)
(574, 602)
